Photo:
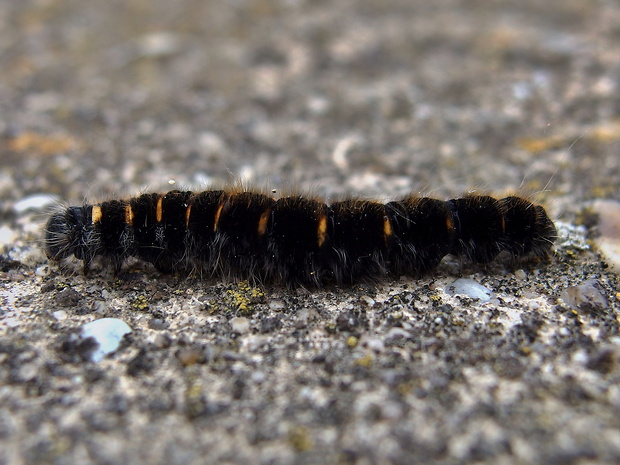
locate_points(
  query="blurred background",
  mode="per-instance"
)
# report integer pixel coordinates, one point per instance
(368, 97)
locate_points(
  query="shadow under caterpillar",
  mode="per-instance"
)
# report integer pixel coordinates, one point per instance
(298, 240)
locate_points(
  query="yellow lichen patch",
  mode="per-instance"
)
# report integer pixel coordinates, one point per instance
(61, 286)
(300, 439)
(330, 327)
(436, 298)
(194, 390)
(352, 342)
(195, 400)
(41, 143)
(140, 303)
(604, 190)
(406, 387)
(364, 361)
(243, 298)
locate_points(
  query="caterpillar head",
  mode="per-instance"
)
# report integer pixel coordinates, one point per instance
(67, 233)
(545, 233)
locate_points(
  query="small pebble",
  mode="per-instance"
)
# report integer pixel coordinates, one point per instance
(240, 325)
(60, 315)
(107, 333)
(188, 356)
(162, 340)
(11, 322)
(588, 296)
(303, 316)
(470, 288)
(43, 271)
(99, 306)
(372, 343)
(158, 44)
(7, 235)
(391, 410)
(157, 324)
(258, 377)
(276, 305)
(396, 334)
(367, 300)
(29, 256)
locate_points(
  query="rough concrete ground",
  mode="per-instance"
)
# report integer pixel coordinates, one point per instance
(372, 98)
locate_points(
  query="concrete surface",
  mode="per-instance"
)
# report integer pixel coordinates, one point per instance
(371, 98)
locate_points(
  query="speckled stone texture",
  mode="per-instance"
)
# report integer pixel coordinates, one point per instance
(374, 98)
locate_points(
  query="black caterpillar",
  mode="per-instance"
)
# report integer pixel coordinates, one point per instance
(298, 240)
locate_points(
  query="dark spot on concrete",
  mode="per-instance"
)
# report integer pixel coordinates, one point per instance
(67, 298)
(75, 349)
(141, 363)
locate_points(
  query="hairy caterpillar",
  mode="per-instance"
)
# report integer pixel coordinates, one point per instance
(298, 240)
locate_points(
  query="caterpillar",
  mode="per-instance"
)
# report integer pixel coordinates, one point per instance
(298, 240)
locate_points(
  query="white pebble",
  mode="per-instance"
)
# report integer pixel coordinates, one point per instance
(34, 202)
(108, 333)
(240, 325)
(7, 235)
(396, 334)
(11, 322)
(43, 270)
(276, 305)
(564, 331)
(470, 288)
(258, 377)
(372, 343)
